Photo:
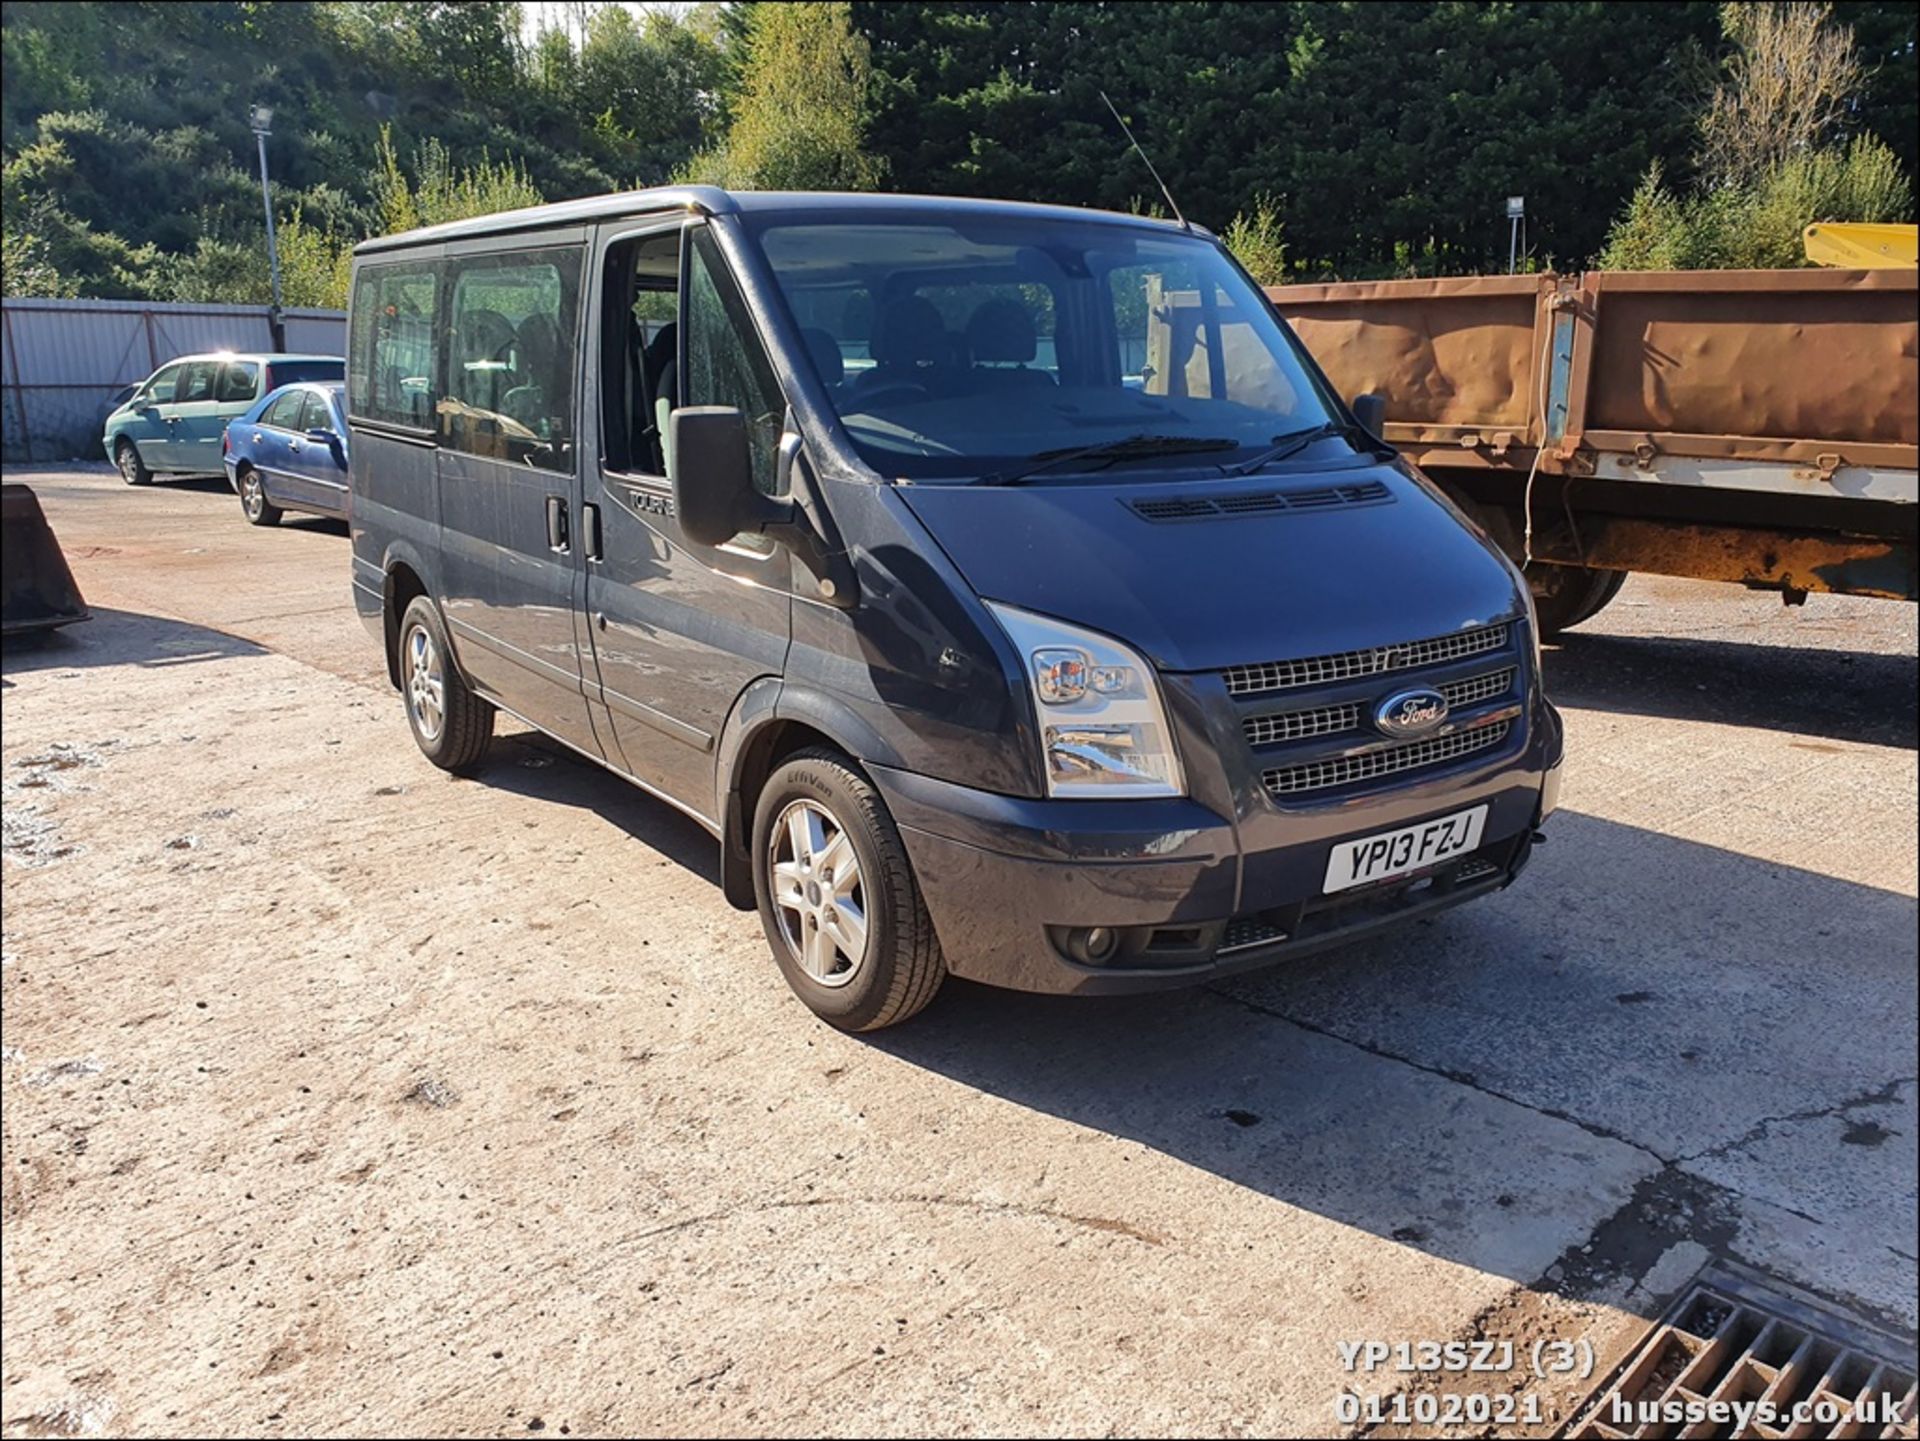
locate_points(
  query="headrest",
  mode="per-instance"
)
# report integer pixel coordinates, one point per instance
(910, 332)
(825, 351)
(1001, 330)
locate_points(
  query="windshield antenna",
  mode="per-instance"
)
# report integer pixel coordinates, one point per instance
(1171, 203)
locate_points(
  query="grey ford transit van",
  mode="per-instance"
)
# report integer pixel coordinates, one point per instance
(1002, 585)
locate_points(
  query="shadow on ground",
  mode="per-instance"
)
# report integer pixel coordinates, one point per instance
(528, 763)
(1861, 696)
(118, 637)
(1651, 991)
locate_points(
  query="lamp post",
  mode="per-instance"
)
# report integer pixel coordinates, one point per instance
(261, 119)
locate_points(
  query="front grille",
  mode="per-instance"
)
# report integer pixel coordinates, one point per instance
(1330, 720)
(1383, 760)
(1347, 665)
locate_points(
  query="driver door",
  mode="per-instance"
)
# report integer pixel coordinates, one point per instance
(678, 629)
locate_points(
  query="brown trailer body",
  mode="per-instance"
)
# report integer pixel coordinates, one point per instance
(1754, 426)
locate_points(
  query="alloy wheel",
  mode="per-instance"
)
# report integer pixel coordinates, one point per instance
(818, 893)
(426, 684)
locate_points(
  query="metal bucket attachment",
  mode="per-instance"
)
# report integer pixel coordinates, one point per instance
(39, 588)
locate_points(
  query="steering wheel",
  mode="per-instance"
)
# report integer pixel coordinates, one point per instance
(892, 387)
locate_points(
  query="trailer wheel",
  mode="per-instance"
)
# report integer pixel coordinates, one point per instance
(1565, 595)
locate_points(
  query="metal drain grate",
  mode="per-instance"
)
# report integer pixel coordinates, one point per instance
(1775, 1364)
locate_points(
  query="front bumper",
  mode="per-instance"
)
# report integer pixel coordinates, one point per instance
(1195, 894)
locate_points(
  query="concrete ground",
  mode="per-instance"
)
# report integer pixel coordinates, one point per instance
(344, 1097)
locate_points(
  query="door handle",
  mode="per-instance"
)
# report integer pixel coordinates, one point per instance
(558, 539)
(590, 530)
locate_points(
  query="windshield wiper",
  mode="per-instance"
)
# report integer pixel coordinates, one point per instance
(1108, 451)
(1287, 446)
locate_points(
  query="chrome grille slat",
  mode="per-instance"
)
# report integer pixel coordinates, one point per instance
(1283, 726)
(1383, 760)
(1298, 725)
(1349, 665)
(1477, 688)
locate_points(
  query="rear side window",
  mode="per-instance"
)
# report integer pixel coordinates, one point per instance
(239, 380)
(284, 410)
(391, 358)
(316, 414)
(510, 357)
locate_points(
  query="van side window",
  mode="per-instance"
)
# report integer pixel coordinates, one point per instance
(239, 380)
(725, 363)
(510, 357)
(640, 338)
(390, 365)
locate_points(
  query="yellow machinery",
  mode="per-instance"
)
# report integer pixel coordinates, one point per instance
(1861, 247)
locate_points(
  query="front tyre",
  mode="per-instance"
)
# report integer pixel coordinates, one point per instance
(253, 499)
(838, 899)
(133, 470)
(451, 725)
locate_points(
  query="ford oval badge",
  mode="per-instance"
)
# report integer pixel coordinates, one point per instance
(1410, 712)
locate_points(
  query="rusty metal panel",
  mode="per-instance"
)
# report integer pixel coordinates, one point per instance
(1754, 364)
(1765, 559)
(1456, 358)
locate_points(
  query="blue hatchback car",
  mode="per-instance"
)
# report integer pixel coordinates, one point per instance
(289, 452)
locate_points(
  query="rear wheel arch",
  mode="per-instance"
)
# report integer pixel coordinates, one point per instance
(403, 583)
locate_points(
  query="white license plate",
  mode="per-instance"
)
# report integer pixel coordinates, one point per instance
(1395, 853)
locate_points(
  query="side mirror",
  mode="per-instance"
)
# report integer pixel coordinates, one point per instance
(141, 404)
(713, 491)
(320, 435)
(1371, 411)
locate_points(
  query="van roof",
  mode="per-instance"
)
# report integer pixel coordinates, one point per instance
(710, 200)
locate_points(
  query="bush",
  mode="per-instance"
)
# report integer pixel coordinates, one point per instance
(1757, 225)
(1258, 241)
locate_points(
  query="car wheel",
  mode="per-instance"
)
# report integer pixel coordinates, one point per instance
(1565, 595)
(451, 725)
(133, 470)
(838, 899)
(253, 499)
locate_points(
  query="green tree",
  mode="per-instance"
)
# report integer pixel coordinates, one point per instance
(1773, 155)
(799, 120)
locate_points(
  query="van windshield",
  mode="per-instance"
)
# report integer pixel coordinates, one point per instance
(975, 348)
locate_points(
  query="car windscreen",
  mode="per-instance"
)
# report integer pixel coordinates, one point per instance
(967, 348)
(301, 372)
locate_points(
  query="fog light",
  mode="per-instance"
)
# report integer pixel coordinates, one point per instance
(1092, 945)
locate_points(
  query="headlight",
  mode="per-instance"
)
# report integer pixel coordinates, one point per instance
(1103, 728)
